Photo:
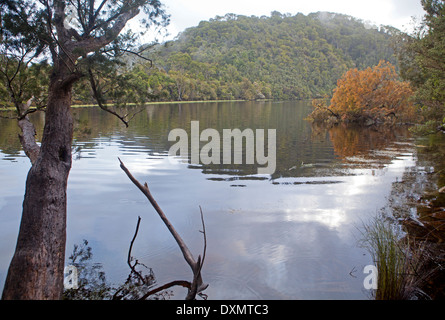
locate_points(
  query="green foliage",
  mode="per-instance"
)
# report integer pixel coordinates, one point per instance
(391, 258)
(19, 82)
(83, 39)
(21, 76)
(422, 61)
(234, 57)
(276, 57)
(93, 285)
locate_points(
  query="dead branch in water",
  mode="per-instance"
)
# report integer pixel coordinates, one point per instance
(197, 286)
(129, 258)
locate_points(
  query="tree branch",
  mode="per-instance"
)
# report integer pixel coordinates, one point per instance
(197, 286)
(181, 283)
(144, 189)
(28, 140)
(96, 14)
(205, 238)
(129, 258)
(196, 266)
(333, 113)
(98, 96)
(94, 44)
(138, 54)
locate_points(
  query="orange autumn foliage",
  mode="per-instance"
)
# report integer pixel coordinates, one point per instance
(373, 94)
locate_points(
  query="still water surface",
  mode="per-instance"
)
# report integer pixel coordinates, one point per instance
(292, 235)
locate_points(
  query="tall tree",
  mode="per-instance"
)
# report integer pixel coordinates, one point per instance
(75, 34)
(422, 61)
(374, 95)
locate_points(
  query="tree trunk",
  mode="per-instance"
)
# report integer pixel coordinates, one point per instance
(28, 139)
(36, 269)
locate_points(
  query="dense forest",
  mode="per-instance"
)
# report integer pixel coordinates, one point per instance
(269, 57)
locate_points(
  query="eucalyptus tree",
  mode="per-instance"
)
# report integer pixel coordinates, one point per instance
(422, 61)
(75, 36)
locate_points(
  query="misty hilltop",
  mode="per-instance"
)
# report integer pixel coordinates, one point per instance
(275, 57)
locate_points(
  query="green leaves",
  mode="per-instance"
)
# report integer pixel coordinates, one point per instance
(422, 60)
(83, 38)
(288, 57)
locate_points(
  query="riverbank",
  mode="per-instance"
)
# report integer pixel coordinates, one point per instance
(147, 103)
(158, 102)
(417, 205)
(429, 233)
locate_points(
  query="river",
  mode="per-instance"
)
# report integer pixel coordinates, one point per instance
(292, 234)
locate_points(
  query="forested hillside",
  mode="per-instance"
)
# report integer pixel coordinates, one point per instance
(275, 57)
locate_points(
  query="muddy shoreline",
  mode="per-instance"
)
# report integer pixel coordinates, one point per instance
(418, 204)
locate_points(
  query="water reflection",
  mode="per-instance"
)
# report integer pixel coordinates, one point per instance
(290, 235)
(302, 150)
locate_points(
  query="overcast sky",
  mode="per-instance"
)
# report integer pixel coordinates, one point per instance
(188, 13)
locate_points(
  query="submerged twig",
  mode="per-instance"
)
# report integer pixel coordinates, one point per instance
(197, 285)
(181, 283)
(129, 259)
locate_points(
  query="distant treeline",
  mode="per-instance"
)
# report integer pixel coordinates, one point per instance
(275, 57)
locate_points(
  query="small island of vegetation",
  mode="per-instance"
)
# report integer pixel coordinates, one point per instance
(371, 96)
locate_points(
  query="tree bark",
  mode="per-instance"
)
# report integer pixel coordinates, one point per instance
(36, 269)
(28, 139)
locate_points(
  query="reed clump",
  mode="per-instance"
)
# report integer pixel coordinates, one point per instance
(398, 259)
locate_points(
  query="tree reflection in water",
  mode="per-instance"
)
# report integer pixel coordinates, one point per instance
(93, 285)
(365, 145)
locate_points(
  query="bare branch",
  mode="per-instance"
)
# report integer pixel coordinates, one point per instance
(205, 238)
(98, 96)
(181, 283)
(138, 54)
(120, 20)
(28, 140)
(129, 258)
(196, 266)
(19, 65)
(144, 189)
(80, 16)
(96, 14)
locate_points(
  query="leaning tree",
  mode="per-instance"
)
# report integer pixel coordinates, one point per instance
(75, 36)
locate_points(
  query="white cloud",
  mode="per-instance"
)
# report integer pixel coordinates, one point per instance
(188, 13)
